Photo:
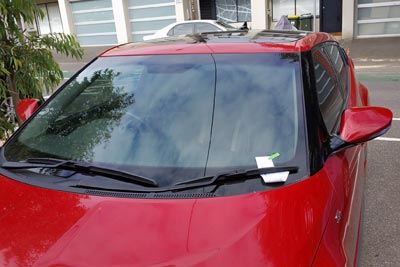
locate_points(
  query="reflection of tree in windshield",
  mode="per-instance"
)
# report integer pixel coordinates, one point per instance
(82, 115)
(101, 104)
(291, 57)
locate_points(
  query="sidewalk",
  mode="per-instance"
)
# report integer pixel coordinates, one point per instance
(375, 48)
(375, 54)
(70, 65)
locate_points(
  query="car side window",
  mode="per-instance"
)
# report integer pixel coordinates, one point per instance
(182, 29)
(339, 64)
(205, 27)
(330, 98)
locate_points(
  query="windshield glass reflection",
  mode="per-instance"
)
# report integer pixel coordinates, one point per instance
(171, 117)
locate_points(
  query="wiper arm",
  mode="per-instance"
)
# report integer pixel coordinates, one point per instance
(79, 166)
(240, 174)
(208, 180)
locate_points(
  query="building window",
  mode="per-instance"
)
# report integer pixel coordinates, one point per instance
(378, 18)
(147, 17)
(51, 23)
(293, 7)
(233, 10)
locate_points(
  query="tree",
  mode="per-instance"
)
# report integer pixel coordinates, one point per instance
(27, 65)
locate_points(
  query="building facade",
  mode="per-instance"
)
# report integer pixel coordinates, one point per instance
(371, 18)
(111, 22)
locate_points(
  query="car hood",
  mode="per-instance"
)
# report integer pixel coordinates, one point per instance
(281, 227)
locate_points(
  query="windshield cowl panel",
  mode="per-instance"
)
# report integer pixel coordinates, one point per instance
(174, 118)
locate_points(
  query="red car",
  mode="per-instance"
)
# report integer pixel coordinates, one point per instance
(220, 149)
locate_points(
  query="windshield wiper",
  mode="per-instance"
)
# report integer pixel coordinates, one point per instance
(80, 167)
(220, 178)
(239, 174)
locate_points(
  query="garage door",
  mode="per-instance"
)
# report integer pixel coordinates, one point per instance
(94, 22)
(148, 16)
(378, 18)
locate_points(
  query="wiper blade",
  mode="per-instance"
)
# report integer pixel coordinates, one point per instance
(79, 166)
(207, 180)
(240, 174)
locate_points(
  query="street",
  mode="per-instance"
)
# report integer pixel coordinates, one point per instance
(380, 242)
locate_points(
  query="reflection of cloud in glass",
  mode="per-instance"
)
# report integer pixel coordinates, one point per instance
(255, 110)
(169, 124)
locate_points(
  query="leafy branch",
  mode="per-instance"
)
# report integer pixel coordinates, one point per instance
(27, 64)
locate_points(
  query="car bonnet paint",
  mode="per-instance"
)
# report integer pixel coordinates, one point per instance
(282, 227)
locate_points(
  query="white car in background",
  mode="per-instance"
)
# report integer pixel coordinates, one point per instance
(190, 27)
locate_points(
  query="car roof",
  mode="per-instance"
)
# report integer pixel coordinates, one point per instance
(254, 41)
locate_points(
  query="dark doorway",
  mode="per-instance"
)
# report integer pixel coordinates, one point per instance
(207, 9)
(331, 16)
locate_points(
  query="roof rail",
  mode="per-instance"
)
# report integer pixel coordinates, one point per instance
(219, 33)
(288, 32)
(253, 35)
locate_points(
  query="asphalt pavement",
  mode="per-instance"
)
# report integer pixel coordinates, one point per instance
(381, 232)
(381, 243)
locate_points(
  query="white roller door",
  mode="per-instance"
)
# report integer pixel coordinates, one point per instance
(94, 22)
(378, 18)
(148, 16)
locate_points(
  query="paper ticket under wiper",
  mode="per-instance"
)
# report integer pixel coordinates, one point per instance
(266, 162)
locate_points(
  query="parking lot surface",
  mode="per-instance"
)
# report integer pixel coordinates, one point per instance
(381, 231)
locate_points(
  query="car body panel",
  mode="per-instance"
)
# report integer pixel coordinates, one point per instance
(339, 246)
(377, 120)
(313, 222)
(165, 49)
(349, 182)
(176, 46)
(42, 227)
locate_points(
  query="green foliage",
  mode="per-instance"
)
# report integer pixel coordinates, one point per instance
(27, 65)
(33, 64)
(6, 128)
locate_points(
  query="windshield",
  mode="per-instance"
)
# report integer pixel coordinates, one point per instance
(172, 117)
